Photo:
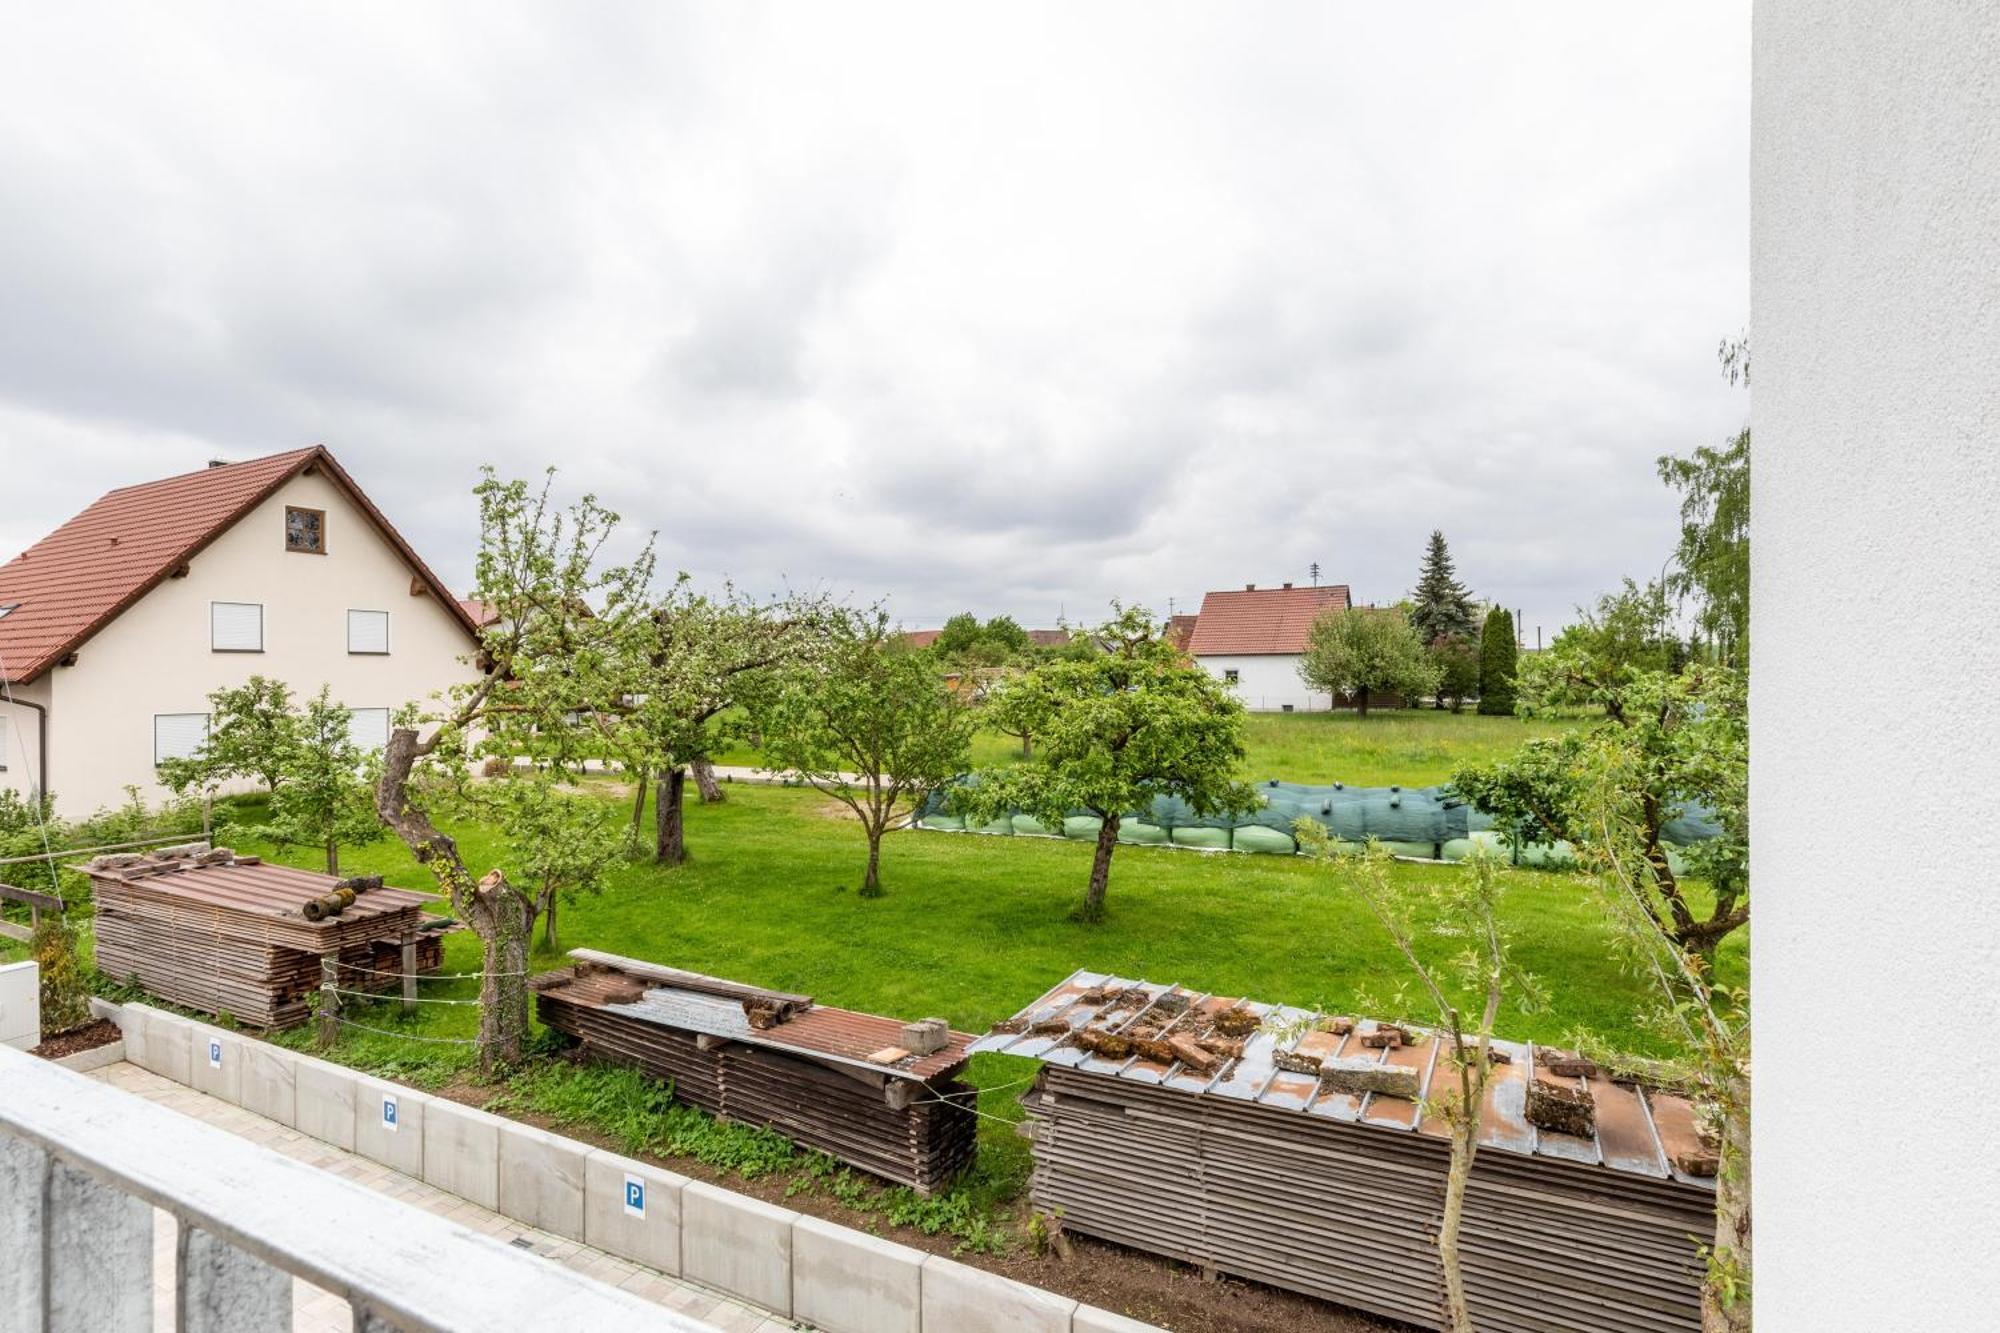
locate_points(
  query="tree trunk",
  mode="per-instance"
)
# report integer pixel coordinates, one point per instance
(545, 908)
(639, 804)
(670, 817)
(871, 882)
(332, 857)
(1100, 872)
(1027, 746)
(1361, 700)
(503, 918)
(704, 781)
(1725, 1294)
(1464, 1142)
(496, 912)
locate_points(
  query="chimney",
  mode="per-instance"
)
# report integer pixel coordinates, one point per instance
(1249, 587)
(1288, 585)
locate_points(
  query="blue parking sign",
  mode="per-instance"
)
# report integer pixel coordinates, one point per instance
(214, 1054)
(635, 1196)
(389, 1113)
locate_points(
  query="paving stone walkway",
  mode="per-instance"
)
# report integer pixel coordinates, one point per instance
(316, 1311)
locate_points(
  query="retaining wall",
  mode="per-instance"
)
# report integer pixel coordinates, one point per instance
(804, 1268)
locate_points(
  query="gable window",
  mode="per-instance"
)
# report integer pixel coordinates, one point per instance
(1231, 674)
(178, 735)
(368, 632)
(368, 728)
(305, 530)
(236, 627)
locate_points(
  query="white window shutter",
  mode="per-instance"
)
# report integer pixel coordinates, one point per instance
(368, 728)
(236, 627)
(367, 631)
(178, 735)
(3, 745)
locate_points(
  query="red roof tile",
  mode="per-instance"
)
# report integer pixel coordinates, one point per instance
(76, 580)
(1261, 620)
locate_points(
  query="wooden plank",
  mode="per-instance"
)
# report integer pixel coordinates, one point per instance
(46, 901)
(14, 932)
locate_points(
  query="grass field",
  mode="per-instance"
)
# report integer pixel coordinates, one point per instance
(973, 927)
(1414, 747)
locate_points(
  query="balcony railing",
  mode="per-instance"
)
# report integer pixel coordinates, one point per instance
(83, 1166)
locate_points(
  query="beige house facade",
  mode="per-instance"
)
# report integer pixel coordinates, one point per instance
(120, 624)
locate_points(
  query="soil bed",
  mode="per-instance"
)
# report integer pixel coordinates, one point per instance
(1111, 1277)
(98, 1032)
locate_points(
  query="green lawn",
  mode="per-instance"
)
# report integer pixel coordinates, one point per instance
(972, 928)
(1413, 747)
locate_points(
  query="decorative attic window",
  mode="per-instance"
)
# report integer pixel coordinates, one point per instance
(305, 530)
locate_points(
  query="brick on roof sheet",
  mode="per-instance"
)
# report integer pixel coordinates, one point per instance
(75, 580)
(1262, 620)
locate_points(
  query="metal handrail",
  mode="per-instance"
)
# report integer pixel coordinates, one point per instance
(398, 1266)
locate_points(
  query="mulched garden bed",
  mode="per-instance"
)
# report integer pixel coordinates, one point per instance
(98, 1032)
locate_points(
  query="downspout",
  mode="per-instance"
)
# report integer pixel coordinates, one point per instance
(41, 739)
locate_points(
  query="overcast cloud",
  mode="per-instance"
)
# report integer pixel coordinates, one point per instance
(1013, 311)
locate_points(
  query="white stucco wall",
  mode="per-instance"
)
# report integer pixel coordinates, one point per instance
(156, 657)
(1266, 682)
(1876, 325)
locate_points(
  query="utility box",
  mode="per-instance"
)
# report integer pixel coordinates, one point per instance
(20, 1005)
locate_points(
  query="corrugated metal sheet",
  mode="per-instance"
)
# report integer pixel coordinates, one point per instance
(1255, 1169)
(806, 1074)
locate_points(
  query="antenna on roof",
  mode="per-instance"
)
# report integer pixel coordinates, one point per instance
(1314, 571)
(218, 462)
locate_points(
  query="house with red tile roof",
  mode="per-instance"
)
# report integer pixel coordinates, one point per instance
(1254, 639)
(115, 627)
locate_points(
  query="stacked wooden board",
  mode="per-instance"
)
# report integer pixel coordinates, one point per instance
(227, 935)
(827, 1078)
(1240, 1159)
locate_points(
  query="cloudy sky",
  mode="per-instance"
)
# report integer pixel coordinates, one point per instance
(1016, 310)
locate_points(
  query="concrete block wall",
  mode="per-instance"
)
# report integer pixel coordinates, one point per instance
(831, 1277)
(20, 1006)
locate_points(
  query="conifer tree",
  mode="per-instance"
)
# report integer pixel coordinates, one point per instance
(1440, 607)
(1496, 663)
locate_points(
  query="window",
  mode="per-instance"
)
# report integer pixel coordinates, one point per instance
(368, 728)
(305, 530)
(3, 747)
(178, 735)
(368, 632)
(1231, 675)
(236, 627)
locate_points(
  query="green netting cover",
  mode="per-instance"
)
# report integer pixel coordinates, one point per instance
(1410, 821)
(1257, 838)
(1084, 828)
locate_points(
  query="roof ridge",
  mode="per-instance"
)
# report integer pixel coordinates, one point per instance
(207, 468)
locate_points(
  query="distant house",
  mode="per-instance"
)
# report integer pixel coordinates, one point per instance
(1255, 639)
(115, 627)
(1040, 638)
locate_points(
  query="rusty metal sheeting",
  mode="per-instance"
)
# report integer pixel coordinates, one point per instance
(1250, 1166)
(230, 937)
(807, 1076)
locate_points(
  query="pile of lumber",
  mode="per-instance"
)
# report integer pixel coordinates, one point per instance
(225, 934)
(1305, 1158)
(873, 1092)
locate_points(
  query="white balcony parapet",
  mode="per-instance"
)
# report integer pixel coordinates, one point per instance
(83, 1165)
